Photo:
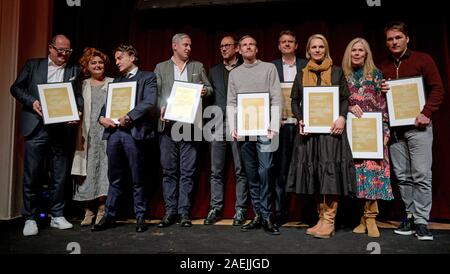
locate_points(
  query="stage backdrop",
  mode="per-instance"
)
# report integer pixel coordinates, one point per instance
(105, 24)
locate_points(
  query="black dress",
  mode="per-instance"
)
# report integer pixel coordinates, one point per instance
(321, 163)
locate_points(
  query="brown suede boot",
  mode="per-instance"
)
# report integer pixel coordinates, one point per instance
(312, 230)
(100, 213)
(371, 214)
(88, 217)
(362, 227)
(326, 230)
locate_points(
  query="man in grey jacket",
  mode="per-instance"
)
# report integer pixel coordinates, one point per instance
(178, 158)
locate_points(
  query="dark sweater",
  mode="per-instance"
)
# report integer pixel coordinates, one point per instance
(413, 64)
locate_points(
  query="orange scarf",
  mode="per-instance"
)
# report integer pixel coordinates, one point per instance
(310, 76)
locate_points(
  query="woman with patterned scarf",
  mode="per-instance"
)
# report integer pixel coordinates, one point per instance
(322, 164)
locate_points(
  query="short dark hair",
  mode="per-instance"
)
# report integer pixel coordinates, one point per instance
(287, 32)
(233, 36)
(130, 50)
(396, 25)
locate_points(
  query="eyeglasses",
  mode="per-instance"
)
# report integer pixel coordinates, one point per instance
(226, 46)
(62, 51)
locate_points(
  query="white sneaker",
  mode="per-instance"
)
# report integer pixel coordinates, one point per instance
(60, 223)
(30, 228)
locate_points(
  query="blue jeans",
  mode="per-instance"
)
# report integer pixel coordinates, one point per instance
(258, 167)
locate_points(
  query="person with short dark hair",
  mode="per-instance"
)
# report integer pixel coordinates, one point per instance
(287, 66)
(411, 146)
(45, 143)
(128, 139)
(218, 76)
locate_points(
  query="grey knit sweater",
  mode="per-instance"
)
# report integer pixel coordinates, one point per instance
(257, 77)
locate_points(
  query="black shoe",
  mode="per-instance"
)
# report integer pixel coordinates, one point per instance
(422, 233)
(406, 227)
(254, 224)
(280, 220)
(239, 217)
(167, 221)
(213, 216)
(140, 224)
(104, 223)
(185, 221)
(269, 227)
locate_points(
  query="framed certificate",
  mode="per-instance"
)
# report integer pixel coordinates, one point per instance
(320, 108)
(365, 135)
(287, 114)
(121, 99)
(405, 100)
(183, 103)
(58, 103)
(253, 114)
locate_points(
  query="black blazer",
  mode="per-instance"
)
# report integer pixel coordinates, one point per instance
(299, 63)
(143, 115)
(337, 79)
(217, 80)
(25, 90)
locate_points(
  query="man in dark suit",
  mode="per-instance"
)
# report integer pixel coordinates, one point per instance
(127, 140)
(287, 68)
(44, 142)
(218, 76)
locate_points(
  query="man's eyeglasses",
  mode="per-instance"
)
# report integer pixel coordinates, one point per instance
(62, 51)
(226, 46)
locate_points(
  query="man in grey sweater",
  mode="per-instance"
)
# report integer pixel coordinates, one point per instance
(255, 76)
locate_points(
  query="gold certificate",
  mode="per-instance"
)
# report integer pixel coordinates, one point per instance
(365, 135)
(58, 103)
(320, 108)
(287, 107)
(121, 99)
(253, 114)
(184, 101)
(405, 100)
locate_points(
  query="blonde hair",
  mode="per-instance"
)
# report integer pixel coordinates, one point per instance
(325, 42)
(368, 67)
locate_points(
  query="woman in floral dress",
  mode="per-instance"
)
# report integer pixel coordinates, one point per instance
(372, 175)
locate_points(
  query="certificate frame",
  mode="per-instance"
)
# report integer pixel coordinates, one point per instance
(378, 152)
(117, 92)
(253, 101)
(58, 103)
(395, 98)
(287, 115)
(332, 106)
(183, 102)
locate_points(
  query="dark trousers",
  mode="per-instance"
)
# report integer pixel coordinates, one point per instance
(125, 156)
(178, 161)
(218, 164)
(281, 167)
(46, 143)
(258, 168)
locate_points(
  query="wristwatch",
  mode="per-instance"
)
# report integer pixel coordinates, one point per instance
(127, 120)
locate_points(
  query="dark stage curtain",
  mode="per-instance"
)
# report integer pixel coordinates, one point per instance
(105, 24)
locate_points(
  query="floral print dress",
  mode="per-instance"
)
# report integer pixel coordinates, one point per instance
(372, 175)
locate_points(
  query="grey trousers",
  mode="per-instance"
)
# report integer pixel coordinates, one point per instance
(218, 175)
(411, 160)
